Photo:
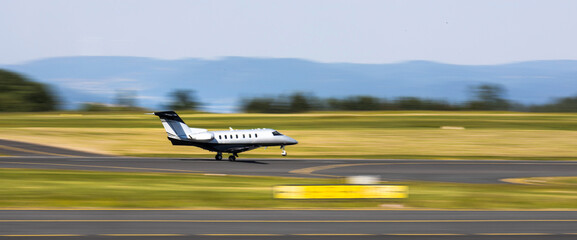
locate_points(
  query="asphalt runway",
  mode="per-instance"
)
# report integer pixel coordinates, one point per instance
(285, 224)
(288, 224)
(15, 148)
(388, 170)
(25, 155)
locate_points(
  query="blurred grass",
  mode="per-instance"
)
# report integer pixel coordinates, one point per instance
(414, 135)
(398, 135)
(564, 181)
(561, 180)
(492, 196)
(307, 121)
(91, 189)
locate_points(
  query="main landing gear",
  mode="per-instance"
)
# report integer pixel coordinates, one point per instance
(231, 158)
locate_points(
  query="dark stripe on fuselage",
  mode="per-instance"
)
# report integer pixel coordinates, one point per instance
(217, 147)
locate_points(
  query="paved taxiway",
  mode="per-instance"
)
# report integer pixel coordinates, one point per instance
(288, 223)
(392, 170)
(42, 157)
(285, 224)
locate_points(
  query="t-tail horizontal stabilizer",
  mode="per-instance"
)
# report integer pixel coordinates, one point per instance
(175, 126)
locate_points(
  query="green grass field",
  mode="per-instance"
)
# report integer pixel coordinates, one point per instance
(87, 189)
(365, 135)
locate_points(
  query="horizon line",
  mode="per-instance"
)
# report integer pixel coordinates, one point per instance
(220, 58)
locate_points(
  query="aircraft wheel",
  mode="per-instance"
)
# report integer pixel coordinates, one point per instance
(283, 153)
(218, 157)
(232, 158)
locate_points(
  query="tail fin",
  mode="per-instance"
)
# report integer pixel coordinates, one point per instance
(175, 127)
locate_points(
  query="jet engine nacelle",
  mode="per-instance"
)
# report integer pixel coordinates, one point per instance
(205, 136)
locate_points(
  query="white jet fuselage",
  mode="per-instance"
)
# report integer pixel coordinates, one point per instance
(232, 141)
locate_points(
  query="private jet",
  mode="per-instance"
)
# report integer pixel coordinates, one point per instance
(232, 141)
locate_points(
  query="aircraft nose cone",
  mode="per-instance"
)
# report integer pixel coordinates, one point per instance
(291, 141)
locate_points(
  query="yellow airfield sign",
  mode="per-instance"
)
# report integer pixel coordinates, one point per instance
(340, 191)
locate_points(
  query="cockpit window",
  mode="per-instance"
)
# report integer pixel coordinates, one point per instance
(276, 133)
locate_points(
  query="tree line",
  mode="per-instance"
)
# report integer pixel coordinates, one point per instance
(20, 94)
(180, 99)
(485, 97)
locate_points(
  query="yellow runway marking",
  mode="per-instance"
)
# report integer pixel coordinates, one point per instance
(513, 234)
(295, 234)
(37, 152)
(301, 221)
(43, 235)
(333, 234)
(240, 234)
(288, 209)
(424, 234)
(311, 170)
(142, 235)
(96, 166)
(518, 181)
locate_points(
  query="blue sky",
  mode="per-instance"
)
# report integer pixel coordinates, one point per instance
(359, 31)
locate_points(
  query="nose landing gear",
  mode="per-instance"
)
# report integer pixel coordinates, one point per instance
(283, 153)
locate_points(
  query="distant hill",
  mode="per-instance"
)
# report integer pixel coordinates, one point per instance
(220, 84)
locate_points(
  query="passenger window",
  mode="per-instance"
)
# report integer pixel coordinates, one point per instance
(249, 136)
(219, 136)
(243, 136)
(237, 136)
(225, 137)
(255, 135)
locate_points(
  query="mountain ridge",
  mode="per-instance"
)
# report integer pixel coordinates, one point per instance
(221, 83)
